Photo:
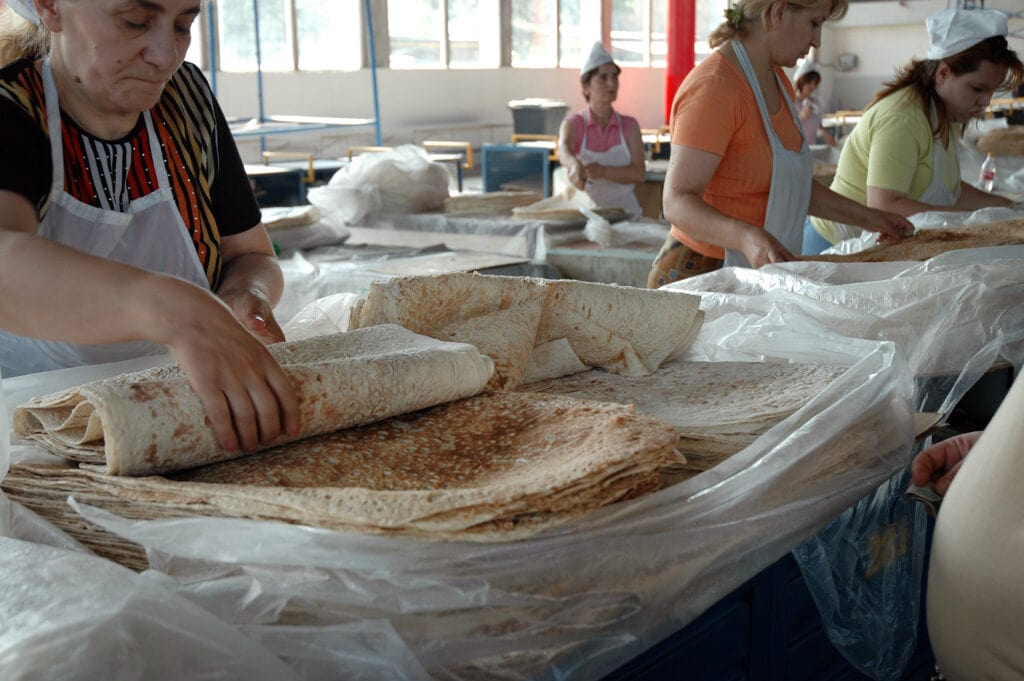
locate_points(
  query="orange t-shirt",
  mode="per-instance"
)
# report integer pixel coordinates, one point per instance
(715, 111)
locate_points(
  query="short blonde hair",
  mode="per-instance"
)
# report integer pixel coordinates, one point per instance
(738, 18)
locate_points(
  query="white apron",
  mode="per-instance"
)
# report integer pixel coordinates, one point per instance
(790, 191)
(606, 193)
(151, 235)
(935, 193)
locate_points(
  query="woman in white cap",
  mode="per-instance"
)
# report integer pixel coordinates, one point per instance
(902, 155)
(739, 184)
(806, 82)
(127, 224)
(602, 150)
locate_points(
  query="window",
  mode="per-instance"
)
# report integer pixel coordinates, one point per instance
(639, 32)
(436, 33)
(539, 41)
(534, 34)
(328, 35)
(579, 27)
(710, 13)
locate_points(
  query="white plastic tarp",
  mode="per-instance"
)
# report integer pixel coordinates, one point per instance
(581, 601)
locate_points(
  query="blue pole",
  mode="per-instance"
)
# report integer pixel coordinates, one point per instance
(212, 35)
(259, 71)
(373, 71)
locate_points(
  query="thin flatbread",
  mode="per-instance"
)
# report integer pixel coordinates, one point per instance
(487, 468)
(152, 421)
(928, 243)
(619, 328)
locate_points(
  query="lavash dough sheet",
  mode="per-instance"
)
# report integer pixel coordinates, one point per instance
(153, 422)
(616, 583)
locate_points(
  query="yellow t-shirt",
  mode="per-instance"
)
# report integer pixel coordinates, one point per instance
(891, 148)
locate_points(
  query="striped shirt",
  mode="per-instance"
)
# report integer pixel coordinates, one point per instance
(211, 190)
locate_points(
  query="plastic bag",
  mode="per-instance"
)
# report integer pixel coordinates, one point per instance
(403, 180)
(864, 572)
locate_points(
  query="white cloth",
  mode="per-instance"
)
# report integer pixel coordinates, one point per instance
(975, 594)
(607, 193)
(150, 235)
(790, 191)
(598, 56)
(951, 31)
(25, 9)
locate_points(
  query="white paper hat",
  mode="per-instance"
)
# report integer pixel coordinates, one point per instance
(598, 56)
(25, 8)
(804, 69)
(951, 31)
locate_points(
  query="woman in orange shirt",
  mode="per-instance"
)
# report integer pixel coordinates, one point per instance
(739, 184)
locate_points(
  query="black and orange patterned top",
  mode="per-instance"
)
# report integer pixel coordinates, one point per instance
(194, 136)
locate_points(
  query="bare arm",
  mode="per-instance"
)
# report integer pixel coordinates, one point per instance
(50, 291)
(827, 204)
(566, 143)
(689, 171)
(971, 198)
(634, 173)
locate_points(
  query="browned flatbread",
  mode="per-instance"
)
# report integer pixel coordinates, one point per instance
(928, 243)
(152, 421)
(1003, 142)
(492, 467)
(619, 328)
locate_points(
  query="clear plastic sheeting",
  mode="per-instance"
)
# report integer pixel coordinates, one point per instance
(401, 180)
(71, 616)
(574, 603)
(951, 318)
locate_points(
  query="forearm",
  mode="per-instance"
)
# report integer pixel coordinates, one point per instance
(972, 198)
(704, 223)
(54, 292)
(829, 205)
(632, 174)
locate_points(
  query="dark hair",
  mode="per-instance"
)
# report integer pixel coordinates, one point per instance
(585, 78)
(810, 76)
(919, 75)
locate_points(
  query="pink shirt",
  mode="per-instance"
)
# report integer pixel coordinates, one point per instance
(602, 139)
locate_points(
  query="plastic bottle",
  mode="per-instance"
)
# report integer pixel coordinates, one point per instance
(987, 178)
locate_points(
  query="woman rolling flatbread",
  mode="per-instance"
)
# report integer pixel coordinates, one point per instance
(902, 156)
(127, 224)
(739, 183)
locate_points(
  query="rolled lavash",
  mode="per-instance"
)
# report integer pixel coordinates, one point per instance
(153, 422)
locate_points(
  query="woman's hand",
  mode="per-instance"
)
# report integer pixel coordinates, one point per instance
(247, 396)
(577, 174)
(939, 463)
(595, 171)
(251, 307)
(890, 226)
(761, 248)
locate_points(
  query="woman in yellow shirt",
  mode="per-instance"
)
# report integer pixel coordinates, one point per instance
(902, 156)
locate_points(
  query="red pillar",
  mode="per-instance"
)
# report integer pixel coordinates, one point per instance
(682, 31)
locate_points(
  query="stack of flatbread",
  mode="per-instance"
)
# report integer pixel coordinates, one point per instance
(396, 438)
(1003, 142)
(538, 328)
(928, 243)
(717, 408)
(492, 467)
(488, 203)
